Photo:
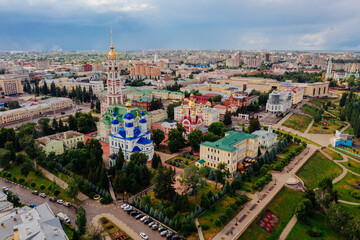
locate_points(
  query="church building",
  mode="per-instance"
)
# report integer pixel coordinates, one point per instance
(130, 138)
(192, 120)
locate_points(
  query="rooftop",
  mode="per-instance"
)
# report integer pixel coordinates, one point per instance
(59, 137)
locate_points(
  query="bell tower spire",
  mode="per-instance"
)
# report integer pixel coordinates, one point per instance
(112, 45)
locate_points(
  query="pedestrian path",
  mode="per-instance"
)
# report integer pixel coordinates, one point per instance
(201, 236)
(288, 228)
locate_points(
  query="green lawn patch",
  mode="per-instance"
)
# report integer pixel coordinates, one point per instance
(352, 165)
(283, 205)
(335, 155)
(290, 148)
(68, 229)
(39, 180)
(163, 148)
(113, 230)
(352, 210)
(316, 168)
(183, 161)
(209, 217)
(310, 110)
(330, 128)
(301, 138)
(346, 186)
(298, 122)
(316, 103)
(317, 222)
(356, 151)
(349, 131)
(247, 184)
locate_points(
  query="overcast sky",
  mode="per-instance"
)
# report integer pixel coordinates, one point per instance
(179, 24)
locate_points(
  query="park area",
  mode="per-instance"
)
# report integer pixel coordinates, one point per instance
(333, 154)
(330, 127)
(348, 188)
(298, 122)
(352, 165)
(317, 223)
(37, 181)
(182, 160)
(312, 111)
(282, 206)
(113, 231)
(316, 168)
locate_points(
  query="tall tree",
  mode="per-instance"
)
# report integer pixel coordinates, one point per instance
(157, 136)
(254, 124)
(220, 173)
(227, 118)
(218, 128)
(45, 127)
(192, 177)
(195, 138)
(73, 188)
(55, 125)
(81, 220)
(120, 160)
(164, 181)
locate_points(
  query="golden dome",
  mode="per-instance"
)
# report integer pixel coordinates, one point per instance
(191, 95)
(182, 111)
(193, 112)
(112, 53)
(128, 104)
(201, 109)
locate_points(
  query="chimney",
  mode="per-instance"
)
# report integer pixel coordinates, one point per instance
(16, 211)
(55, 231)
(28, 231)
(2, 224)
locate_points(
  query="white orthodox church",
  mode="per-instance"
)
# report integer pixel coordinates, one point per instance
(130, 138)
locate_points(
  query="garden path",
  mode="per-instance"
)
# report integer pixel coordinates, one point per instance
(288, 228)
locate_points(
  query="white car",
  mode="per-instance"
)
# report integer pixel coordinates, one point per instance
(152, 223)
(43, 195)
(60, 201)
(5, 189)
(127, 208)
(144, 218)
(124, 205)
(144, 236)
(66, 204)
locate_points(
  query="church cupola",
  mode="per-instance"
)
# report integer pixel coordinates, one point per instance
(143, 123)
(129, 122)
(115, 125)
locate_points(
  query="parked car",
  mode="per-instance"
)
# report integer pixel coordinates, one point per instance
(134, 214)
(139, 216)
(176, 237)
(63, 217)
(130, 211)
(164, 233)
(5, 189)
(52, 199)
(66, 204)
(144, 236)
(151, 223)
(43, 195)
(154, 227)
(161, 228)
(35, 192)
(60, 201)
(32, 205)
(147, 221)
(124, 205)
(169, 236)
(62, 113)
(127, 208)
(144, 218)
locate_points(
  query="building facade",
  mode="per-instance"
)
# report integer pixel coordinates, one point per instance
(130, 138)
(190, 118)
(267, 139)
(11, 86)
(141, 70)
(232, 150)
(279, 102)
(60, 142)
(237, 100)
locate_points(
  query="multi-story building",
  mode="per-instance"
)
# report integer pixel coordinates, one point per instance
(10, 86)
(252, 62)
(279, 102)
(190, 118)
(166, 126)
(60, 142)
(238, 100)
(143, 102)
(233, 62)
(297, 92)
(232, 150)
(39, 108)
(86, 68)
(267, 139)
(144, 70)
(130, 138)
(42, 64)
(209, 115)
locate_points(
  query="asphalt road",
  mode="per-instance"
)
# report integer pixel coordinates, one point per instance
(26, 197)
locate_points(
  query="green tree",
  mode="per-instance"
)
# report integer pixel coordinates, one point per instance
(217, 98)
(218, 128)
(53, 89)
(337, 216)
(343, 99)
(94, 233)
(138, 158)
(120, 160)
(227, 118)
(211, 137)
(195, 138)
(81, 220)
(73, 188)
(263, 98)
(72, 123)
(120, 182)
(14, 105)
(55, 125)
(157, 136)
(164, 180)
(170, 109)
(45, 127)
(5, 157)
(192, 177)
(303, 209)
(98, 106)
(254, 124)
(176, 140)
(221, 173)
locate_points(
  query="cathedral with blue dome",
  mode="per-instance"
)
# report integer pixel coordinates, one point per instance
(130, 138)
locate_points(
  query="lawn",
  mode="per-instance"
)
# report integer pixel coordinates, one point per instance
(335, 155)
(163, 148)
(316, 168)
(349, 131)
(282, 205)
(316, 103)
(247, 184)
(290, 148)
(298, 122)
(68, 229)
(345, 187)
(301, 138)
(319, 222)
(310, 110)
(209, 217)
(110, 228)
(182, 160)
(330, 128)
(204, 190)
(349, 151)
(39, 180)
(353, 210)
(352, 165)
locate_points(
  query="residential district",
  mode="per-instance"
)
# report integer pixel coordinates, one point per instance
(179, 144)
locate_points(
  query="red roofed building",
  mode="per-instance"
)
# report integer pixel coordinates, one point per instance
(237, 100)
(194, 119)
(86, 67)
(199, 100)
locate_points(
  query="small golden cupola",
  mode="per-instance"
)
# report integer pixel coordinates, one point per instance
(112, 53)
(201, 108)
(182, 111)
(128, 105)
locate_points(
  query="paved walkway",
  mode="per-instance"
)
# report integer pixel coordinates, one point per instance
(201, 236)
(288, 228)
(116, 221)
(308, 128)
(61, 183)
(252, 209)
(350, 203)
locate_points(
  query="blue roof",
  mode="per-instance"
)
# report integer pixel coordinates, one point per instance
(129, 125)
(142, 113)
(144, 141)
(143, 120)
(114, 114)
(136, 149)
(122, 133)
(115, 121)
(129, 116)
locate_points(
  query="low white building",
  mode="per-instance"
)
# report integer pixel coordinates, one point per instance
(267, 139)
(166, 126)
(279, 102)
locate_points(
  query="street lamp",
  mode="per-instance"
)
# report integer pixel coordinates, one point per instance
(124, 196)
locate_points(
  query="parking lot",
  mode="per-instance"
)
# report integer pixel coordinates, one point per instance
(26, 197)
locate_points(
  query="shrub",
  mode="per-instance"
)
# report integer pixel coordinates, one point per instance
(234, 206)
(313, 233)
(21, 180)
(355, 195)
(33, 184)
(56, 192)
(14, 179)
(42, 186)
(205, 227)
(8, 175)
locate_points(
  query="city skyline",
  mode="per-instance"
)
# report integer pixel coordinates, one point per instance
(158, 24)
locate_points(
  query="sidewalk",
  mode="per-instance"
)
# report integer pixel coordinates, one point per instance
(288, 228)
(201, 236)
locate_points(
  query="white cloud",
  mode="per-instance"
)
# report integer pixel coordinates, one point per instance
(313, 40)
